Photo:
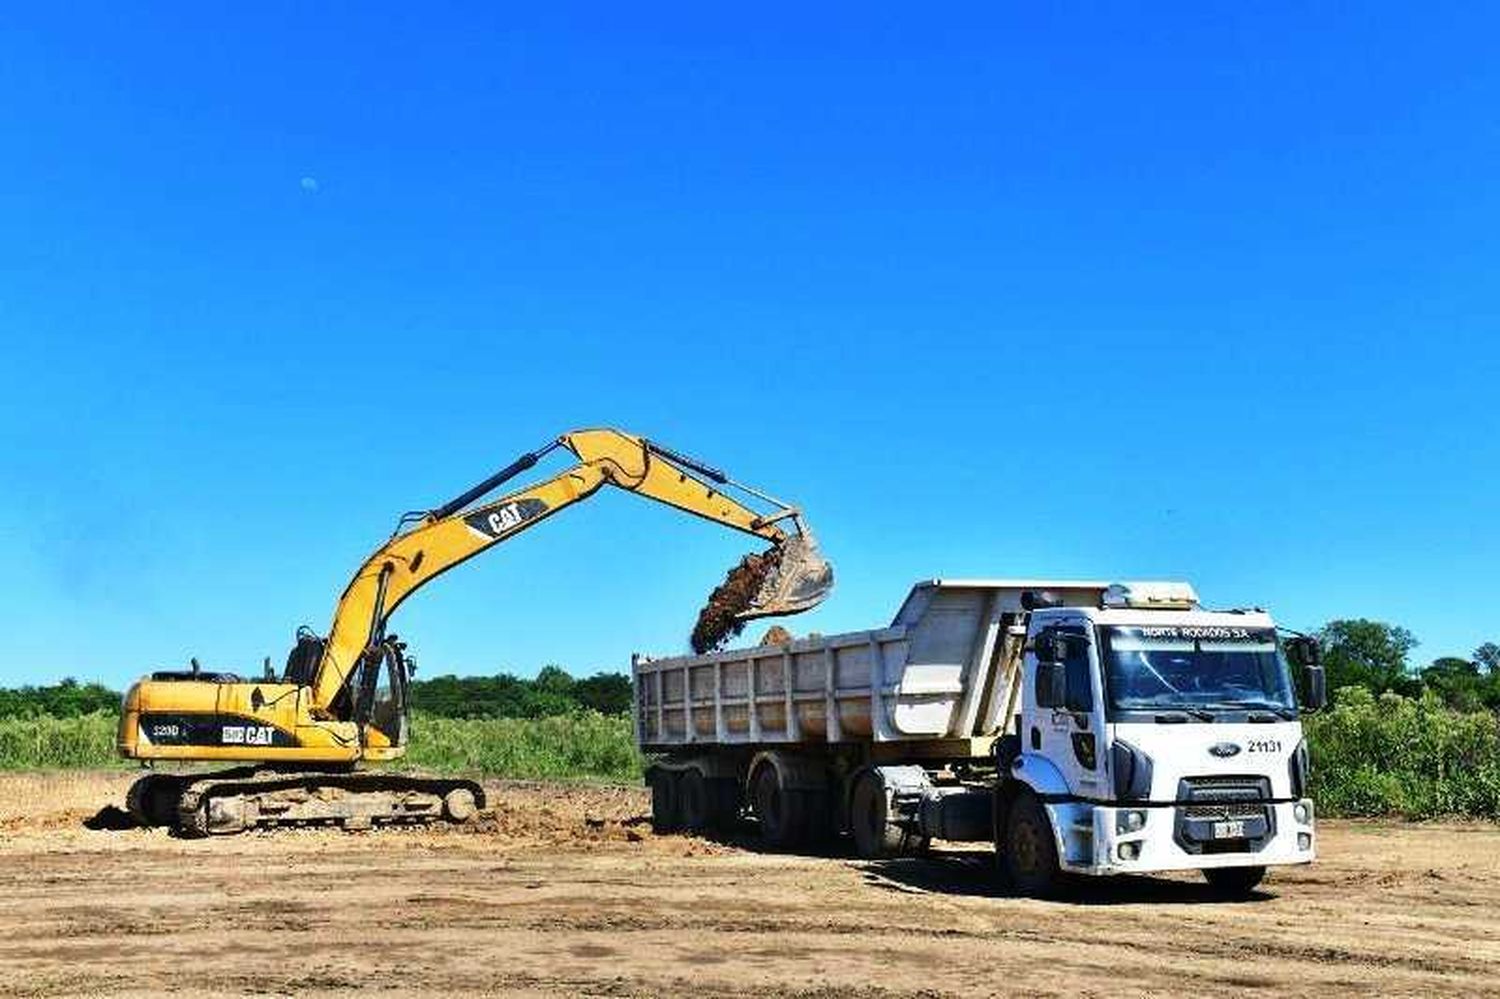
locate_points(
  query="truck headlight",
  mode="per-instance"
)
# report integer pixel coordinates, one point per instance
(1130, 821)
(1302, 813)
(1130, 851)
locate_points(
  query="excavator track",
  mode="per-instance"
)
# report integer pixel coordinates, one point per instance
(243, 799)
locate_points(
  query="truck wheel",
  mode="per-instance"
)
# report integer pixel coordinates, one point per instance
(874, 836)
(1233, 882)
(770, 807)
(790, 818)
(1030, 857)
(665, 817)
(694, 804)
(783, 813)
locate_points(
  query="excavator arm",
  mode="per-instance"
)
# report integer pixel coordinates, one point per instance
(793, 577)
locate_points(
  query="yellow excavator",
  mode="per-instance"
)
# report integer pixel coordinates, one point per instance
(299, 739)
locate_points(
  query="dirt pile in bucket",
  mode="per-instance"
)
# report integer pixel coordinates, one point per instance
(719, 619)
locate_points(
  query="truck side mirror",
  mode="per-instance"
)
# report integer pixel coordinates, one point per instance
(1316, 681)
(1051, 684)
(1304, 651)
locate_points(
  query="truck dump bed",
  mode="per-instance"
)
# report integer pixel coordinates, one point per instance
(946, 668)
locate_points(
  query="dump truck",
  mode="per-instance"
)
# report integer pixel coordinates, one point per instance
(1084, 728)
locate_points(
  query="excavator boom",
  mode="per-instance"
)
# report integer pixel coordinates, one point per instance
(797, 579)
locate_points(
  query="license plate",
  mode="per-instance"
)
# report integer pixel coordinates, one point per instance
(1229, 830)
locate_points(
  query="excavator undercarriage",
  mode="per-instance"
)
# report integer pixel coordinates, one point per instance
(246, 798)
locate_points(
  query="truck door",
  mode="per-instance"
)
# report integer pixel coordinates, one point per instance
(1070, 735)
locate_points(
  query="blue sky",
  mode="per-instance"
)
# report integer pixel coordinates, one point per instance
(1116, 291)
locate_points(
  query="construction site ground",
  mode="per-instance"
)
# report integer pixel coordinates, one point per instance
(563, 889)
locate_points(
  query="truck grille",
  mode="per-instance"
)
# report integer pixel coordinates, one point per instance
(1205, 801)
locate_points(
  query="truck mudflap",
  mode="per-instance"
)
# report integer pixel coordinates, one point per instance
(1143, 839)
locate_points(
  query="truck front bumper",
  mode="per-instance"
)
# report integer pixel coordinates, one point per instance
(1108, 839)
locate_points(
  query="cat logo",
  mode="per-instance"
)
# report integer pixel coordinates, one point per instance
(505, 518)
(247, 735)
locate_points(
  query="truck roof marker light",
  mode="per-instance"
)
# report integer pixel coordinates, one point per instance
(1152, 595)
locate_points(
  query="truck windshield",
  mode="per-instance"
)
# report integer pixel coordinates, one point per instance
(1195, 669)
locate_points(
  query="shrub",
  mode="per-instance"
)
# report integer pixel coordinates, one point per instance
(1395, 755)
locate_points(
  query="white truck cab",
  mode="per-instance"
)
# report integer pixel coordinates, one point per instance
(1155, 736)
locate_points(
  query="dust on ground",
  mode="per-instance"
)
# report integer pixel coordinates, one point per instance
(562, 889)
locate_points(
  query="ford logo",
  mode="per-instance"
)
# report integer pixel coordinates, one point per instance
(1224, 750)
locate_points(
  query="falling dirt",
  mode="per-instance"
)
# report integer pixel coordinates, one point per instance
(720, 619)
(563, 890)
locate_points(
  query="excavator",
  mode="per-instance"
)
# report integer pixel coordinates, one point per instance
(298, 742)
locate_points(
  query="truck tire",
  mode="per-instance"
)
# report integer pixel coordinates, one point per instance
(788, 818)
(772, 807)
(874, 835)
(1233, 882)
(694, 802)
(665, 817)
(1029, 860)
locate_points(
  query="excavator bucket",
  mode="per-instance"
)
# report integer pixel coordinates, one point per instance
(799, 579)
(789, 579)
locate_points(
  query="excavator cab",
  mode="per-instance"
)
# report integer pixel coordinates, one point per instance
(302, 661)
(376, 695)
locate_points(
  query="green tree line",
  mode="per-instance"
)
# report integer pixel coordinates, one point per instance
(67, 699)
(553, 692)
(1377, 657)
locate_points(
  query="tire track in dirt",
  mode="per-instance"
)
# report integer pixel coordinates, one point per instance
(563, 892)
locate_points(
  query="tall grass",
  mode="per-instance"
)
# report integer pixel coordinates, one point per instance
(581, 745)
(47, 743)
(586, 744)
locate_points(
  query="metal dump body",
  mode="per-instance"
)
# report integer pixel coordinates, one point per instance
(946, 668)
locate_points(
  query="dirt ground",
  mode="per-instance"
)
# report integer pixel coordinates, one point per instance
(564, 890)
